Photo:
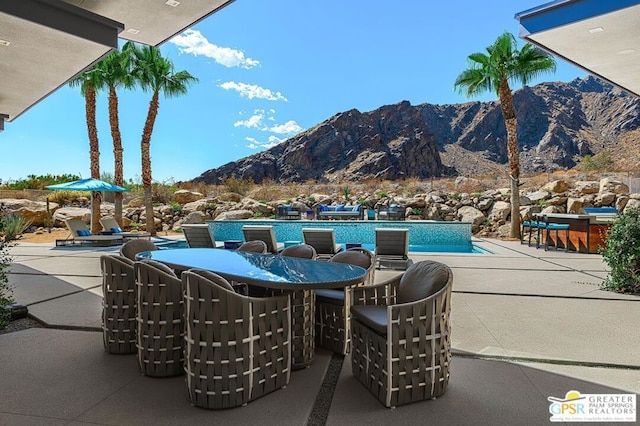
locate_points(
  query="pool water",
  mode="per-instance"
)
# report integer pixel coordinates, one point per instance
(424, 236)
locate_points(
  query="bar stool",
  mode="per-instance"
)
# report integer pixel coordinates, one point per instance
(557, 227)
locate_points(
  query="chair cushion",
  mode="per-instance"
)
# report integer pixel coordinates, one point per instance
(356, 208)
(340, 208)
(421, 280)
(329, 296)
(352, 257)
(373, 316)
(84, 233)
(324, 208)
(116, 230)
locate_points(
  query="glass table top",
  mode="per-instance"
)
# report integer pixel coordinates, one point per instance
(261, 269)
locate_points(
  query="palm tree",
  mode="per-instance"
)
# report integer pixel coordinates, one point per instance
(115, 72)
(156, 74)
(492, 72)
(90, 82)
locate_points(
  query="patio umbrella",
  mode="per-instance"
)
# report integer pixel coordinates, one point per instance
(91, 184)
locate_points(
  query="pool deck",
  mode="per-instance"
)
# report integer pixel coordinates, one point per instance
(526, 324)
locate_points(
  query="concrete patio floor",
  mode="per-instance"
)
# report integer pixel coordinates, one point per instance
(526, 324)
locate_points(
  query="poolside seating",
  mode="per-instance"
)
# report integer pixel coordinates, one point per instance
(81, 233)
(160, 317)
(255, 246)
(333, 315)
(392, 248)
(263, 233)
(199, 235)
(323, 240)
(391, 212)
(339, 211)
(109, 224)
(401, 334)
(131, 248)
(288, 212)
(238, 348)
(118, 305)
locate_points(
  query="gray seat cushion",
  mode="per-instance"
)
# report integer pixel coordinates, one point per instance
(326, 295)
(421, 280)
(373, 316)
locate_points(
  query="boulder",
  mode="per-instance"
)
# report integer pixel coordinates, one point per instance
(611, 185)
(136, 202)
(605, 198)
(556, 186)
(471, 214)
(465, 184)
(621, 202)
(575, 204)
(484, 204)
(235, 215)
(194, 217)
(504, 231)
(183, 196)
(64, 213)
(500, 211)
(587, 187)
(632, 203)
(34, 211)
(230, 196)
(534, 197)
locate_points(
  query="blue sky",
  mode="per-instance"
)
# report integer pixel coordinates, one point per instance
(268, 70)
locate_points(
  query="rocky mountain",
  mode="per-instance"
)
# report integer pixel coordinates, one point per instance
(558, 123)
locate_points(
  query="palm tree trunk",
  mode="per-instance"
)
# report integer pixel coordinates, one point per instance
(513, 154)
(94, 156)
(145, 147)
(114, 122)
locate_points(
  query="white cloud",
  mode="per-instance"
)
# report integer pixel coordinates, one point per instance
(193, 42)
(255, 144)
(253, 122)
(253, 91)
(287, 128)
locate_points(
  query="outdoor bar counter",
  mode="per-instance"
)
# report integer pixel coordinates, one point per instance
(587, 232)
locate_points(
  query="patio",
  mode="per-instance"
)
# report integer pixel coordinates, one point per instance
(526, 324)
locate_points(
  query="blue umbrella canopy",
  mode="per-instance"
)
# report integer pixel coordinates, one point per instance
(88, 185)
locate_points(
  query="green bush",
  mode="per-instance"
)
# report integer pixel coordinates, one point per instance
(13, 225)
(176, 207)
(622, 253)
(6, 292)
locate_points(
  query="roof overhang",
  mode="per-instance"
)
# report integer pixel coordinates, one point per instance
(601, 37)
(45, 43)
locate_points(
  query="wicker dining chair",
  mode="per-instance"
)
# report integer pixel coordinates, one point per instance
(132, 247)
(160, 316)
(401, 334)
(118, 304)
(333, 315)
(238, 348)
(255, 246)
(302, 312)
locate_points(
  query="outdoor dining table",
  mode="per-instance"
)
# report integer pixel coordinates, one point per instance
(294, 276)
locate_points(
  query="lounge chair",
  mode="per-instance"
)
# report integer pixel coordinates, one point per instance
(323, 240)
(109, 224)
(392, 248)
(200, 235)
(81, 233)
(263, 233)
(401, 334)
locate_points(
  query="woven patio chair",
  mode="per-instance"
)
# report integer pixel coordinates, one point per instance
(118, 304)
(237, 347)
(133, 247)
(255, 246)
(401, 334)
(303, 251)
(160, 316)
(302, 312)
(333, 315)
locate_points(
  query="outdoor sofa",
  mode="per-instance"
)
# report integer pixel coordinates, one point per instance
(340, 211)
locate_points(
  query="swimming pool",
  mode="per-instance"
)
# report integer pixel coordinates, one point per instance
(424, 236)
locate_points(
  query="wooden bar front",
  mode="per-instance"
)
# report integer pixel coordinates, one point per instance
(584, 237)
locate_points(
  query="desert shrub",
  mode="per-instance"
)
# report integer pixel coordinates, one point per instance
(6, 292)
(600, 162)
(176, 207)
(13, 225)
(622, 253)
(239, 186)
(65, 198)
